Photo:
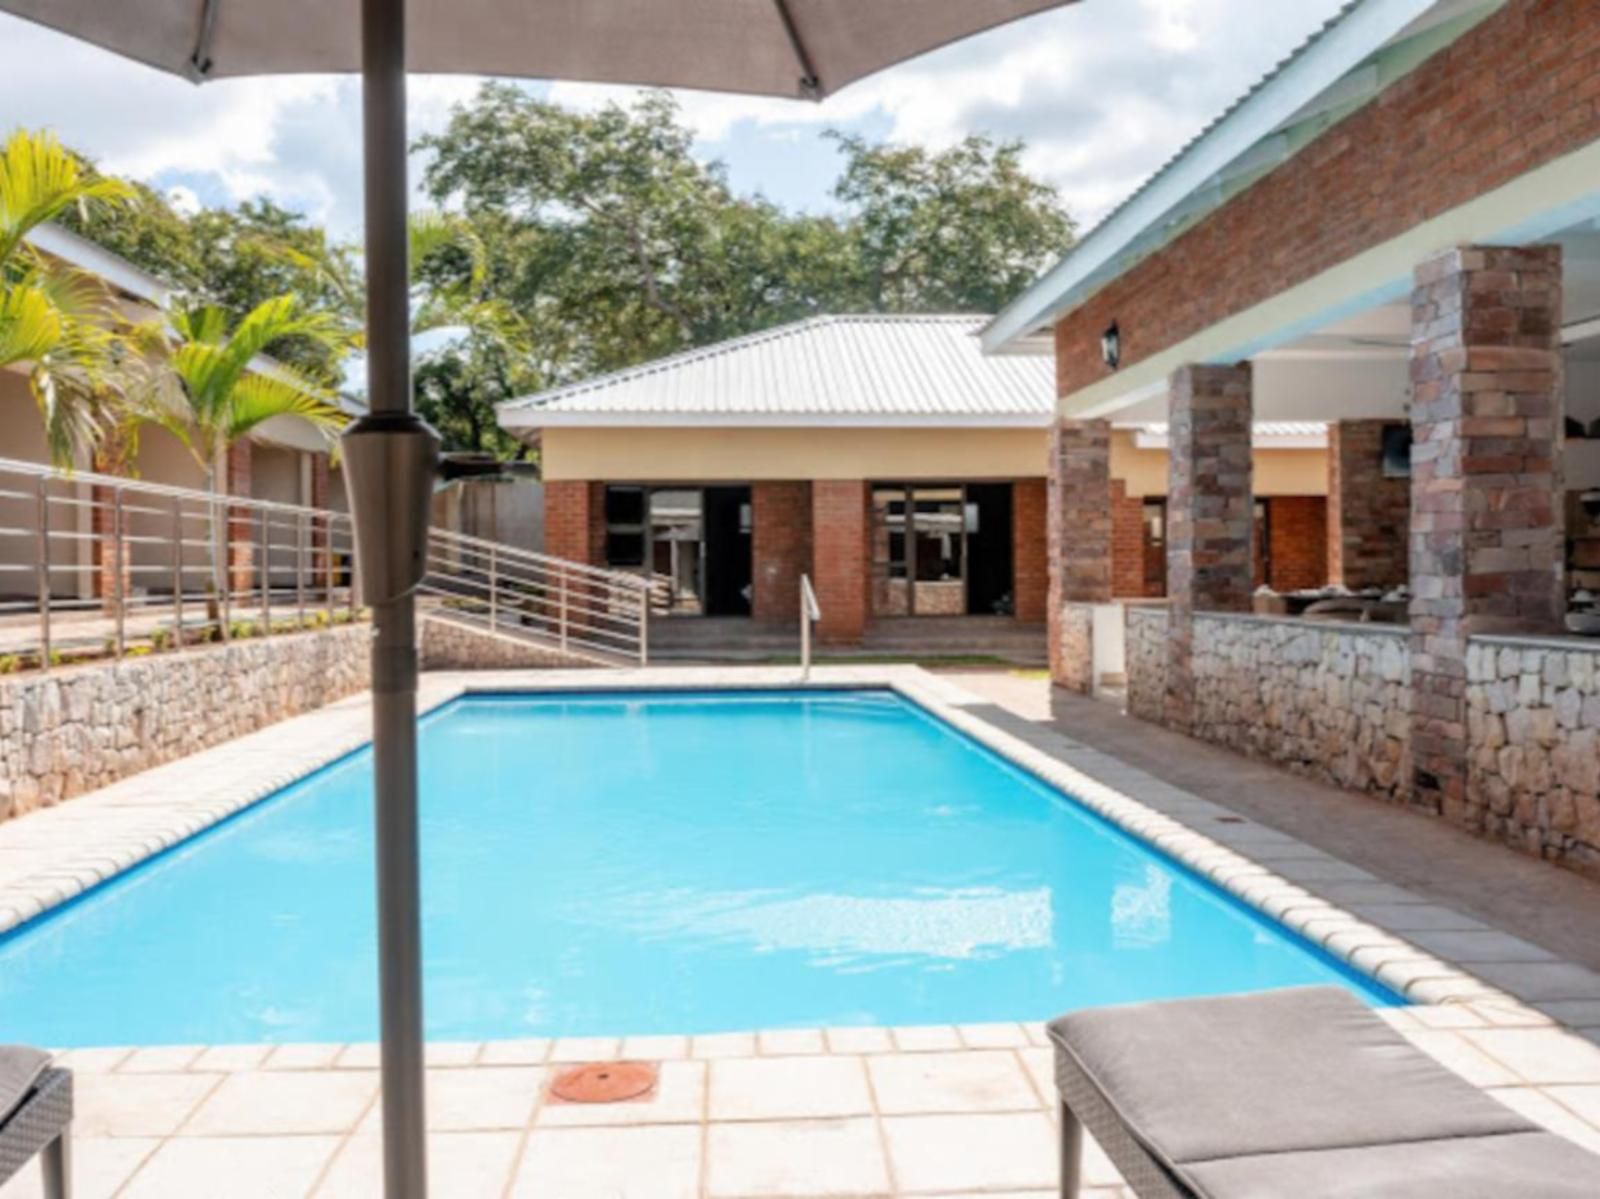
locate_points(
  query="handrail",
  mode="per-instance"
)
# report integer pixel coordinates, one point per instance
(810, 614)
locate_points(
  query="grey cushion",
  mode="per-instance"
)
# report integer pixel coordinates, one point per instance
(1236, 1094)
(20, 1068)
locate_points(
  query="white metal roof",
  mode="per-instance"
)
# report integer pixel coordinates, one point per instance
(1366, 46)
(868, 370)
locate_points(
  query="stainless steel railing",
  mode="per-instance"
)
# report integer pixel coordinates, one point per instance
(100, 566)
(584, 611)
(810, 613)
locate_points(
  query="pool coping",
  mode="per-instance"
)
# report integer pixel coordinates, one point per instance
(1442, 958)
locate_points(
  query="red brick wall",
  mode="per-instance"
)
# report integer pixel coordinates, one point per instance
(575, 520)
(1518, 91)
(1127, 542)
(1030, 556)
(242, 530)
(780, 548)
(1297, 540)
(1368, 514)
(839, 523)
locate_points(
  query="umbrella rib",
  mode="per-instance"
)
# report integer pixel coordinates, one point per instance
(200, 60)
(810, 84)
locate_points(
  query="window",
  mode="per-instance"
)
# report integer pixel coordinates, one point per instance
(625, 526)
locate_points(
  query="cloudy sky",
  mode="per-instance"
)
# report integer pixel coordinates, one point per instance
(1102, 92)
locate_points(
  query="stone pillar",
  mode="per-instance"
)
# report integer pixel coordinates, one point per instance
(321, 546)
(1080, 545)
(243, 530)
(1369, 515)
(780, 549)
(1030, 552)
(110, 458)
(841, 558)
(1486, 513)
(1210, 513)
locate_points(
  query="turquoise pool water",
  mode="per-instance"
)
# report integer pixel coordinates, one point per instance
(648, 863)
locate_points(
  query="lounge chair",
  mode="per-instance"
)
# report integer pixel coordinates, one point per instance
(1302, 1093)
(35, 1117)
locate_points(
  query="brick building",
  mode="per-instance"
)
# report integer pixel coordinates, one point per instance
(886, 457)
(1396, 233)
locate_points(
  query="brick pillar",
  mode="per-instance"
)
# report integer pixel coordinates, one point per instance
(243, 530)
(841, 551)
(1127, 542)
(1486, 513)
(321, 548)
(575, 521)
(780, 549)
(1080, 544)
(1368, 514)
(1030, 558)
(1210, 513)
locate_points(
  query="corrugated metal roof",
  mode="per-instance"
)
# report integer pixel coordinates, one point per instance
(867, 369)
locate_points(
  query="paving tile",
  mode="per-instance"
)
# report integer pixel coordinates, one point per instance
(136, 1105)
(976, 1151)
(100, 1166)
(1540, 1055)
(971, 1081)
(723, 1044)
(530, 1051)
(461, 1165)
(795, 1159)
(483, 1099)
(993, 1036)
(1582, 1100)
(303, 1057)
(788, 1088)
(93, 1061)
(238, 1167)
(1450, 1050)
(859, 1040)
(654, 1049)
(228, 1058)
(643, 1162)
(160, 1059)
(585, 1049)
(926, 1038)
(1578, 1013)
(1546, 1107)
(451, 1053)
(1487, 945)
(285, 1102)
(679, 1098)
(1445, 1015)
(785, 1041)
(361, 1056)
(1538, 981)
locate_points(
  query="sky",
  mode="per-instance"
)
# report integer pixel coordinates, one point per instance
(1102, 92)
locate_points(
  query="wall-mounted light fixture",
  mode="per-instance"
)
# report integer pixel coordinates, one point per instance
(1111, 346)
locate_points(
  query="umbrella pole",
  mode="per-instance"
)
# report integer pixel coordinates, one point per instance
(389, 465)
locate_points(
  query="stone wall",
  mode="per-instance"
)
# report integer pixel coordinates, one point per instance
(1075, 629)
(1146, 662)
(1533, 721)
(79, 728)
(1325, 700)
(447, 645)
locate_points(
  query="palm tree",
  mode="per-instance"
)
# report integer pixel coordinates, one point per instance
(214, 387)
(53, 319)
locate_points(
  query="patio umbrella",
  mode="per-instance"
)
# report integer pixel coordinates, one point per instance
(799, 48)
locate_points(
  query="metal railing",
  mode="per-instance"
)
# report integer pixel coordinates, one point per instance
(101, 566)
(96, 566)
(583, 611)
(810, 613)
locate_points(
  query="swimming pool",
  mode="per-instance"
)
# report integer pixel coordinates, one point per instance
(652, 862)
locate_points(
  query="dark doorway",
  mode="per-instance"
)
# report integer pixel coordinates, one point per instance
(727, 533)
(989, 566)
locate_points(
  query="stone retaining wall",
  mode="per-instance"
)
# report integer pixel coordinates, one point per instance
(1333, 701)
(1533, 722)
(83, 727)
(1072, 666)
(447, 645)
(1330, 701)
(1146, 663)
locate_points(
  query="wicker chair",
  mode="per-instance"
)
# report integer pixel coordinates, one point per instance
(1301, 1092)
(35, 1118)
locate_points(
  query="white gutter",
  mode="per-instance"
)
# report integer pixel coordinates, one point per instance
(1334, 54)
(97, 260)
(515, 419)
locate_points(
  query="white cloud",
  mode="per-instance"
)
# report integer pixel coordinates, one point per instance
(1103, 92)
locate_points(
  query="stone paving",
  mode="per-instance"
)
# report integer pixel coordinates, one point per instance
(901, 1113)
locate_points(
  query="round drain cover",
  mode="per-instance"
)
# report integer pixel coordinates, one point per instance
(604, 1082)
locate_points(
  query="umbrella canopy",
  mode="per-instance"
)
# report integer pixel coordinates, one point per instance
(768, 47)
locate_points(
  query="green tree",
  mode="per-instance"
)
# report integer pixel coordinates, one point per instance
(55, 320)
(210, 389)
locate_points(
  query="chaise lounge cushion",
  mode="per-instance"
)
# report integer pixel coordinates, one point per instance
(20, 1068)
(1305, 1092)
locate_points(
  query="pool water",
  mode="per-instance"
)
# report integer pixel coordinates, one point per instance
(650, 863)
